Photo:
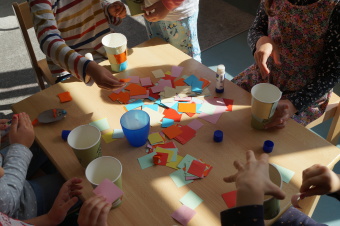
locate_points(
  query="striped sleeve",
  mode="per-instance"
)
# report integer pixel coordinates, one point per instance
(51, 42)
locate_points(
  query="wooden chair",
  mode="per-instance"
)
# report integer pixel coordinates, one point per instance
(332, 112)
(43, 73)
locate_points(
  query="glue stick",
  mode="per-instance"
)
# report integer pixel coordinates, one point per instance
(220, 79)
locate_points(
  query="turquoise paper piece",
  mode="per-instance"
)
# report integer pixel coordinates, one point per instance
(286, 174)
(166, 122)
(179, 178)
(146, 160)
(191, 200)
(134, 105)
(101, 124)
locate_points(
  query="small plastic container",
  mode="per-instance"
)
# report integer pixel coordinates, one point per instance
(218, 136)
(136, 126)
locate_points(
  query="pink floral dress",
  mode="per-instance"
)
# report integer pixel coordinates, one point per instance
(299, 32)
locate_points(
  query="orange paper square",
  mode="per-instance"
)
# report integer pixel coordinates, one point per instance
(172, 131)
(120, 58)
(123, 97)
(65, 97)
(113, 96)
(187, 107)
(205, 82)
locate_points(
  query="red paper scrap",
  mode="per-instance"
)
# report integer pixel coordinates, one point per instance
(197, 168)
(172, 114)
(188, 134)
(230, 198)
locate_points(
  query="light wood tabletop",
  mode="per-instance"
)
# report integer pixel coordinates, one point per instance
(150, 195)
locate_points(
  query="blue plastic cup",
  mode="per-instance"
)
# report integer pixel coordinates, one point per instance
(136, 127)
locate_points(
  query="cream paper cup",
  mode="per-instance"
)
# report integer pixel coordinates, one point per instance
(265, 98)
(85, 142)
(115, 45)
(105, 167)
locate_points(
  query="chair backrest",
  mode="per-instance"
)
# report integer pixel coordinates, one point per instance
(22, 12)
(332, 112)
(334, 129)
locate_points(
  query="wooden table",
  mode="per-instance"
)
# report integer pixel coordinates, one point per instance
(150, 195)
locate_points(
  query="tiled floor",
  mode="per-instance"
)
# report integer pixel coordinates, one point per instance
(236, 56)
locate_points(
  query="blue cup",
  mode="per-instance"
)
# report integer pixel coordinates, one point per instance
(136, 127)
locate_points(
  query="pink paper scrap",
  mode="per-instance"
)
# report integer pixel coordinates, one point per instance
(108, 190)
(146, 81)
(210, 118)
(195, 124)
(183, 214)
(176, 71)
(134, 79)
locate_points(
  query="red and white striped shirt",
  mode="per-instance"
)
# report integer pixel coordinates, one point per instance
(68, 29)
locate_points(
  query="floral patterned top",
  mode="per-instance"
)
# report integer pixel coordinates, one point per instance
(328, 69)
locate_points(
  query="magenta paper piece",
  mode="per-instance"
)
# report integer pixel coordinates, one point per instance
(176, 71)
(134, 79)
(195, 124)
(118, 90)
(146, 81)
(108, 190)
(183, 214)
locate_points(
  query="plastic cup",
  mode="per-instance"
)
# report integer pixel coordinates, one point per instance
(271, 204)
(85, 142)
(136, 126)
(115, 45)
(265, 98)
(105, 167)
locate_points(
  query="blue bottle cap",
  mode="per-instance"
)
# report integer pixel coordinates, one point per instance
(64, 134)
(218, 136)
(268, 146)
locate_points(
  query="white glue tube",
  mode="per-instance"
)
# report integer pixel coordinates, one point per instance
(220, 76)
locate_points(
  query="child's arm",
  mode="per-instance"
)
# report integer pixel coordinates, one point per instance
(160, 9)
(114, 12)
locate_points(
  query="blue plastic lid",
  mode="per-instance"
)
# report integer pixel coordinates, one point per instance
(64, 134)
(268, 146)
(218, 136)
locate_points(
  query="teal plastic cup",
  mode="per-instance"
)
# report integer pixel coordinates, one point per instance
(136, 127)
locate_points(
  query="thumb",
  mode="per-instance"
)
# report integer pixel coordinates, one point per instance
(70, 203)
(276, 56)
(14, 126)
(275, 191)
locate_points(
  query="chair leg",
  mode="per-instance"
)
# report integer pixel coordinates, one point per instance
(334, 130)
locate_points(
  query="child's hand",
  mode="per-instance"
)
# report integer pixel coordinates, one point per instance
(265, 47)
(117, 9)
(284, 111)
(21, 131)
(94, 212)
(319, 180)
(103, 77)
(65, 200)
(156, 12)
(252, 181)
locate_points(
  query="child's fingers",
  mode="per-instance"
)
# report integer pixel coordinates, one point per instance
(14, 126)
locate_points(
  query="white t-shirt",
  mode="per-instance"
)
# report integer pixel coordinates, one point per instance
(186, 9)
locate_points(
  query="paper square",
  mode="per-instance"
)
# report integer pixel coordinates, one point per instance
(178, 178)
(158, 73)
(146, 81)
(118, 133)
(108, 190)
(197, 168)
(107, 137)
(191, 200)
(230, 198)
(176, 71)
(65, 97)
(183, 214)
(155, 138)
(101, 124)
(187, 107)
(166, 122)
(172, 131)
(146, 160)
